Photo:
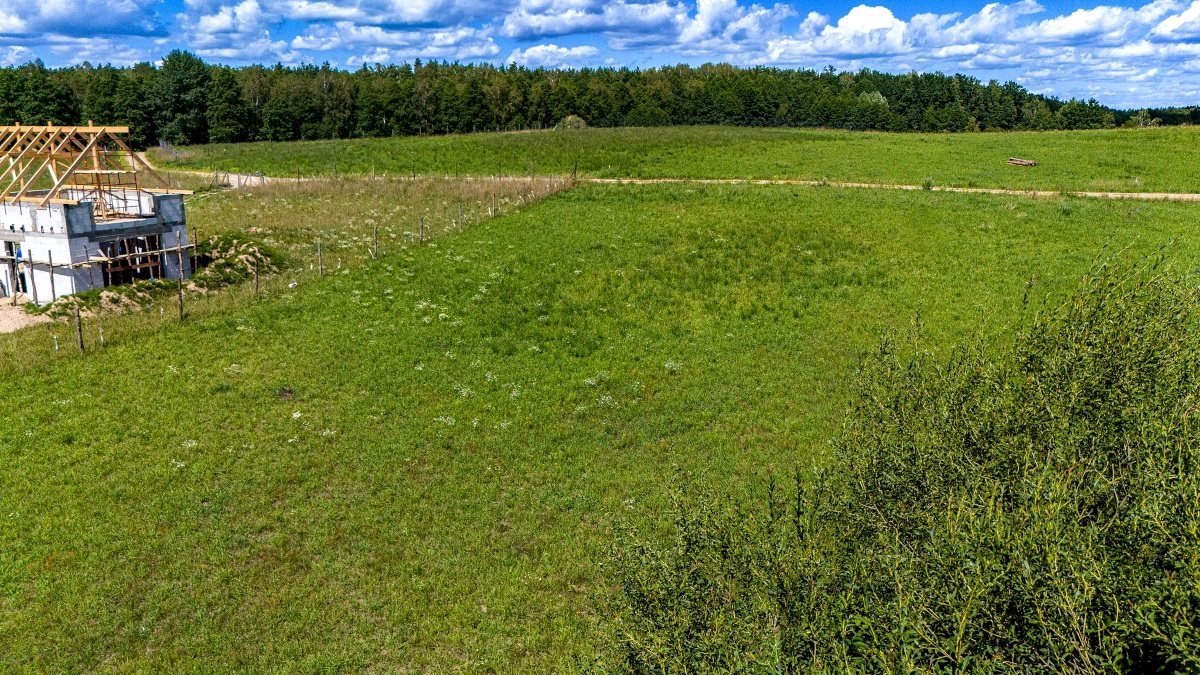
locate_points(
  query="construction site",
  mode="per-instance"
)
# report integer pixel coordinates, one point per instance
(80, 210)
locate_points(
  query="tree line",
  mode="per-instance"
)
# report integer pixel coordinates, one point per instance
(187, 101)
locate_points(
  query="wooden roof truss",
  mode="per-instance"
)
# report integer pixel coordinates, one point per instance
(42, 165)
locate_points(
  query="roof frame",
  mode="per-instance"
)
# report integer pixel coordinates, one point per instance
(52, 164)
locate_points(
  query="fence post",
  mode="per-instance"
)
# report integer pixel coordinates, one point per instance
(79, 329)
(32, 279)
(320, 260)
(179, 276)
(50, 259)
(12, 273)
(87, 257)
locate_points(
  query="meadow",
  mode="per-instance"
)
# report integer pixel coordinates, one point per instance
(1118, 160)
(416, 463)
(345, 217)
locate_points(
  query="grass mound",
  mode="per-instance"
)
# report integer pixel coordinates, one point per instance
(1032, 509)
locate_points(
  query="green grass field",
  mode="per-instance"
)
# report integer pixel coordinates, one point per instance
(415, 464)
(1121, 160)
(289, 219)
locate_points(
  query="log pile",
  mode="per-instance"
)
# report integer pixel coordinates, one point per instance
(1017, 161)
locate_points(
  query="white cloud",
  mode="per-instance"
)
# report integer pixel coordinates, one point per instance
(864, 31)
(390, 13)
(812, 24)
(79, 17)
(1103, 24)
(238, 32)
(552, 56)
(243, 18)
(1152, 46)
(389, 46)
(1182, 26)
(992, 22)
(545, 18)
(14, 55)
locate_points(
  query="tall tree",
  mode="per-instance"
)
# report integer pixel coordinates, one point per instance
(180, 99)
(227, 113)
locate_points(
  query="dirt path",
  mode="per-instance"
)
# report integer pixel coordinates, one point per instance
(237, 180)
(1041, 194)
(226, 178)
(13, 318)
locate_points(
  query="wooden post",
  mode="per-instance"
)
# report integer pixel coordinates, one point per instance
(32, 280)
(12, 273)
(179, 276)
(421, 230)
(377, 242)
(460, 222)
(320, 260)
(79, 329)
(256, 278)
(53, 293)
(87, 257)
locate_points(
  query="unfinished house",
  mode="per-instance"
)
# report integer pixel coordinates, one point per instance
(79, 210)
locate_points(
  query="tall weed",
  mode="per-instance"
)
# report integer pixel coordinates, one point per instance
(1033, 508)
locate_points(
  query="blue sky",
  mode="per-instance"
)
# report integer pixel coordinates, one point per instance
(1124, 55)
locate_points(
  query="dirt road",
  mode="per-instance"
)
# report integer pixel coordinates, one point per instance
(1041, 194)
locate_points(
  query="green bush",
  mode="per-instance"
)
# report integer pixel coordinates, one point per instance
(647, 115)
(1032, 509)
(572, 122)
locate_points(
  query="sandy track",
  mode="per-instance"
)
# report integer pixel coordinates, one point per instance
(1042, 194)
(13, 318)
(236, 180)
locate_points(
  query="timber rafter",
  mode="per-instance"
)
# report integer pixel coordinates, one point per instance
(42, 165)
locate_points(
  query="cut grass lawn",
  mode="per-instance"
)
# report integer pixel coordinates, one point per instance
(1117, 160)
(414, 465)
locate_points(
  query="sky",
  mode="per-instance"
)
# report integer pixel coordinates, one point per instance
(1124, 55)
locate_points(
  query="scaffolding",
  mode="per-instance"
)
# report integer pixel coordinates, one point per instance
(69, 165)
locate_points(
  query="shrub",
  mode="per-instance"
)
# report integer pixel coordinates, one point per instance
(572, 122)
(226, 260)
(1032, 509)
(647, 115)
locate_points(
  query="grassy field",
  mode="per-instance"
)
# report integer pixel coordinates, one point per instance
(289, 219)
(1124, 160)
(414, 464)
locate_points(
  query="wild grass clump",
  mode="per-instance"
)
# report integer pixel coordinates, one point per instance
(228, 259)
(572, 122)
(131, 297)
(1035, 508)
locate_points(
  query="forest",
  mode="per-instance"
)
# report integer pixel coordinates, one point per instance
(187, 101)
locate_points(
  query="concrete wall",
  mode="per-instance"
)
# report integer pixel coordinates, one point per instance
(65, 234)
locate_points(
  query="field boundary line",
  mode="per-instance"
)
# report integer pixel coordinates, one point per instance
(1040, 194)
(255, 180)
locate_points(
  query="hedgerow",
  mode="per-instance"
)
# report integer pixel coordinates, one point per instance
(1023, 509)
